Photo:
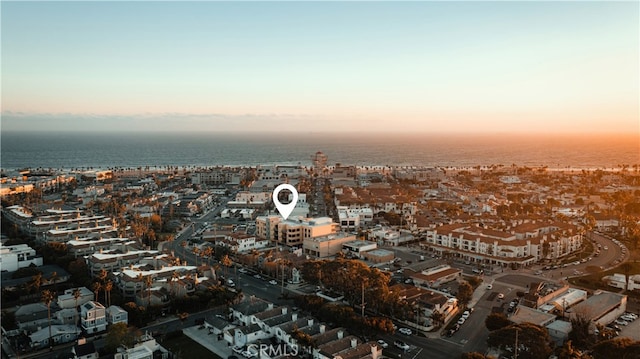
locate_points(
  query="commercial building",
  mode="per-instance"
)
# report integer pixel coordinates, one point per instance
(326, 246)
(293, 232)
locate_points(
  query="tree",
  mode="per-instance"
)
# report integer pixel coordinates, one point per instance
(227, 263)
(117, 335)
(496, 321)
(465, 292)
(54, 280)
(148, 282)
(437, 318)
(569, 352)
(613, 348)
(579, 335)
(36, 282)
(48, 297)
(96, 286)
(76, 296)
(533, 341)
(108, 287)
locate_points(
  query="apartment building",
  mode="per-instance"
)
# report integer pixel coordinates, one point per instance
(258, 320)
(524, 245)
(18, 256)
(114, 261)
(86, 246)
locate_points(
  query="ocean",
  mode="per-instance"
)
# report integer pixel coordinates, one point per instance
(108, 150)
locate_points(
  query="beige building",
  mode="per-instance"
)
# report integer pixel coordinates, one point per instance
(293, 232)
(326, 246)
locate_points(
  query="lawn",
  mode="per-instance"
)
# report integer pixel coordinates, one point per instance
(184, 348)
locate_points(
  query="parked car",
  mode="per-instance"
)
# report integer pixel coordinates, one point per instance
(461, 320)
(257, 276)
(490, 286)
(237, 349)
(621, 322)
(273, 281)
(382, 343)
(466, 314)
(402, 345)
(500, 296)
(405, 331)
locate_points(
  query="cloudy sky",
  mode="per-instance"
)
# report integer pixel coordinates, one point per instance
(308, 66)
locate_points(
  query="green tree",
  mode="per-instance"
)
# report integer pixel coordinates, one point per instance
(496, 321)
(612, 348)
(533, 342)
(465, 293)
(117, 335)
(579, 335)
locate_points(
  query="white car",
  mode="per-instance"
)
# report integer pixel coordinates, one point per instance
(273, 281)
(402, 345)
(405, 331)
(382, 343)
(490, 286)
(621, 322)
(466, 314)
(500, 296)
(461, 320)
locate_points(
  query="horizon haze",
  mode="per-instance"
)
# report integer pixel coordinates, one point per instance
(407, 67)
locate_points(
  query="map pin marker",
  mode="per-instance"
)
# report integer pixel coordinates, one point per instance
(285, 209)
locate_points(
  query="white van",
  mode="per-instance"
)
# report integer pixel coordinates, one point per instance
(230, 283)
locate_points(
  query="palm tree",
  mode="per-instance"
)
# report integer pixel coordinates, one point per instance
(208, 252)
(148, 281)
(36, 282)
(102, 275)
(76, 295)
(108, 287)
(47, 298)
(226, 262)
(96, 286)
(54, 279)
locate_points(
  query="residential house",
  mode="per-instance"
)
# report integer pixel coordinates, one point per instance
(93, 317)
(68, 300)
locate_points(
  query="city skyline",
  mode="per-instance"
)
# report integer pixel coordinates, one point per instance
(432, 67)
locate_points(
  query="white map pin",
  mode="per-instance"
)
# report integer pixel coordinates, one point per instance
(285, 209)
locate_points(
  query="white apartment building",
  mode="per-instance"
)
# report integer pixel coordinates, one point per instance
(352, 218)
(114, 261)
(87, 246)
(18, 256)
(93, 317)
(524, 245)
(241, 242)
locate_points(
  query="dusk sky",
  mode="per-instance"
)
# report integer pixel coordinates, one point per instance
(535, 67)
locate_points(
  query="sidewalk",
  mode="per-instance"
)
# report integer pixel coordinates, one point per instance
(209, 341)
